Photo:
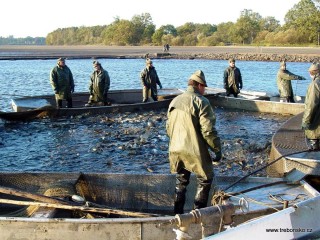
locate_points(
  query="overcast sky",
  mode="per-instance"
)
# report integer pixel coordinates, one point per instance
(37, 18)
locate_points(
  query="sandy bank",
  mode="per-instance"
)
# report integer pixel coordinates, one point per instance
(291, 54)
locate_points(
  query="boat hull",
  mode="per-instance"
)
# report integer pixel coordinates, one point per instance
(153, 193)
(130, 101)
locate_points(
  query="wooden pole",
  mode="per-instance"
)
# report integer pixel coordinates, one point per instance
(45, 201)
(79, 208)
(33, 196)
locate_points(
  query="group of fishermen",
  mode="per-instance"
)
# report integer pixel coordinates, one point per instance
(191, 119)
(62, 83)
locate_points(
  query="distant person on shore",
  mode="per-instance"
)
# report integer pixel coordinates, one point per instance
(149, 80)
(62, 83)
(166, 47)
(284, 78)
(311, 116)
(99, 86)
(232, 79)
(191, 129)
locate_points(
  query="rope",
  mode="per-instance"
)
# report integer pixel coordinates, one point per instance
(278, 197)
(263, 167)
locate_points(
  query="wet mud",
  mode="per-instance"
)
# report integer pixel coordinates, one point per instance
(130, 143)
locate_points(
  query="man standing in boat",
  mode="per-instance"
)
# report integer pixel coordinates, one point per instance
(62, 83)
(191, 129)
(232, 79)
(284, 78)
(149, 80)
(311, 116)
(99, 85)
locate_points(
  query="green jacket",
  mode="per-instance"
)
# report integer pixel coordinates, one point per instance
(311, 114)
(149, 78)
(232, 79)
(284, 83)
(62, 83)
(99, 85)
(191, 129)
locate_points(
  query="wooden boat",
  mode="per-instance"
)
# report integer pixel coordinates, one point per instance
(26, 108)
(130, 206)
(130, 101)
(255, 102)
(296, 222)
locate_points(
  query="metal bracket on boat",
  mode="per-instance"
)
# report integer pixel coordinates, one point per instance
(243, 205)
(208, 217)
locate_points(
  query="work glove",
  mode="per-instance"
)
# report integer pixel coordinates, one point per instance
(218, 157)
(305, 126)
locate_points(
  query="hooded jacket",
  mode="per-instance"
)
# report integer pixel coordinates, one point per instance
(191, 128)
(311, 116)
(99, 85)
(62, 83)
(284, 83)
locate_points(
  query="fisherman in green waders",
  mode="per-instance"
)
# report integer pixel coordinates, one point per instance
(311, 116)
(149, 80)
(284, 78)
(62, 83)
(99, 85)
(191, 129)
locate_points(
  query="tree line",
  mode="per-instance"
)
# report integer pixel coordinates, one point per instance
(301, 27)
(22, 41)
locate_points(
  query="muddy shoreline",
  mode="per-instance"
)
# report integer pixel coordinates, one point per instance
(290, 54)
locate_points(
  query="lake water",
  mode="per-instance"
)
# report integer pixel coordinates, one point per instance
(110, 143)
(31, 77)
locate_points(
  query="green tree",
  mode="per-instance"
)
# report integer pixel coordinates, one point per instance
(164, 34)
(186, 29)
(143, 28)
(269, 24)
(157, 36)
(247, 26)
(225, 34)
(120, 32)
(305, 18)
(169, 29)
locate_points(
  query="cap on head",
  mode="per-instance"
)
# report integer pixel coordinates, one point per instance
(314, 67)
(148, 61)
(199, 77)
(232, 60)
(61, 59)
(96, 63)
(283, 64)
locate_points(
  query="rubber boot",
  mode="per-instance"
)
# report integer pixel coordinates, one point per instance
(179, 200)
(202, 195)
(182, 181)
(59, 103)
(69, 103)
